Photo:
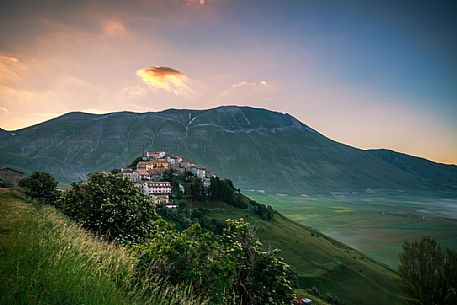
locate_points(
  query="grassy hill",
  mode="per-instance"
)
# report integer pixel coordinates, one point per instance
(256, 148)
(48, 260)
(45, 259)
(320, 261)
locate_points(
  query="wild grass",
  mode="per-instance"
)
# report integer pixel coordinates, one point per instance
(47, 259)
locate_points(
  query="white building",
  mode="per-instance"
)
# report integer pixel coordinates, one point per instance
(156, 154)
(174, 161)
(198, 171)
(157, 191)
(130, 174)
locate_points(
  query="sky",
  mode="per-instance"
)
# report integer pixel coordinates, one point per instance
(371, 74)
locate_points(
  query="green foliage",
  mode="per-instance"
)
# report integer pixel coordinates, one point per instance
(47, 259)
(322, 261)
(183, 217)
(223, 189)
(261, 277)
(40, 186)
(230, 269)
(115, 171)
(193, 186)
(428, 273)
(190, 257)
(264, 211)
(109, 205)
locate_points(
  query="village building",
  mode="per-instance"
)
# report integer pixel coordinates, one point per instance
(210, 175)
(156, 154)
(10, 177)
(144, 174)
(141, 165)
(198, 171)
(187, 165)
(157, 164)
(173, 160)
(157, 191)
(156, 174)
(130, 174)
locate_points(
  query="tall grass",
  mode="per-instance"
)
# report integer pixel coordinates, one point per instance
(46, 259)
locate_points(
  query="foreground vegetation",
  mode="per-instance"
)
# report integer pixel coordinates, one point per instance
(226, 268)
(428, 273)
(156, 257)
(47, 259)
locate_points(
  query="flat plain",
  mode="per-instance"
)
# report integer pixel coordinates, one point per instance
(377, 222)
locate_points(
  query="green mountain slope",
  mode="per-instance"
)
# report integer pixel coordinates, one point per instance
(257, 148)
(427, 171)
(322, 262)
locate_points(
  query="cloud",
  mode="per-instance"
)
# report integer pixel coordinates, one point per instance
(196, 2)
(10, 68)
(113, 29)
(244, 84)
(4, 110)
(165, 78)
(246, 90)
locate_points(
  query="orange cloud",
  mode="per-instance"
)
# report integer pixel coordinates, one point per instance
(165, 78)
(8, 68)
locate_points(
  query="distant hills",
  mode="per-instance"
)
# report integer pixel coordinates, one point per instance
(257, 148)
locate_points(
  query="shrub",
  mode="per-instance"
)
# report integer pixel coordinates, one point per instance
(223, 189)
(109, 205)
(231, 269)
(190, 257)
(261, 277)
(428, 273)
(40, 186)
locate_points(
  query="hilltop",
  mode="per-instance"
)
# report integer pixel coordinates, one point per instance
(257, 148)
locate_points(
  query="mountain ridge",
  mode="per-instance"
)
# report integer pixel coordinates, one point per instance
(258, 148)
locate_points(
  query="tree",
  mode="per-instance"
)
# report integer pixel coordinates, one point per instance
(40, 186)
(261, 277)
(230, 269)
(191, 257)
(109, 205)
(428, 273)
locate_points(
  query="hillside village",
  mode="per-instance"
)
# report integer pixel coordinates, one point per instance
(147, 175)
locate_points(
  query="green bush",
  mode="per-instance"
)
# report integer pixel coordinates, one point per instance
(223, 189)
(261, 277)
(191, 257)
(110, 206)
(230, 269)
(428, 274)
(40, 186)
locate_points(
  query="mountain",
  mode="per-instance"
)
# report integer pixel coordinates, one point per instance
(257, 148)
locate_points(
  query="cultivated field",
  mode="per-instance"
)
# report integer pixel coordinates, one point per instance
(375, 223)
